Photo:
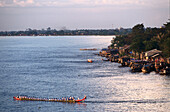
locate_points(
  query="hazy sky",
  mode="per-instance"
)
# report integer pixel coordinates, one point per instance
(81, 14)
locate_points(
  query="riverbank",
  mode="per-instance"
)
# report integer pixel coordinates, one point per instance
(152, 62)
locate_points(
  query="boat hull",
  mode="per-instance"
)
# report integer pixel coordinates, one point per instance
(49, 100)
(90, 61)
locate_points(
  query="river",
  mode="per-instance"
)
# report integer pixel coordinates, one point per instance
(56, 67)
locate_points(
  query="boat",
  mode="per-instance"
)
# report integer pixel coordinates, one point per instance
(105, 59)
(125, 61)
(69, 100)
(146, 69)
(136, 67)
(149, 67)
(89, 60)
(86, 49)
(165, 71)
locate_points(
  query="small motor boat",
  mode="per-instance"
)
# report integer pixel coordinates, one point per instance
(89, 60)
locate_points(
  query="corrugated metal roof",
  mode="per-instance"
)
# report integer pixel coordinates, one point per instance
(155, 55)
(152, 52)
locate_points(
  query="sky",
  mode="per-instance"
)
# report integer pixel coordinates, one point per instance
(82, 14)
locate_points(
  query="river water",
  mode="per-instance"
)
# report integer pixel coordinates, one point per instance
(55, 67)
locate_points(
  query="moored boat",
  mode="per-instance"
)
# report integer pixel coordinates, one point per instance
(70, 100)
(146, 69)
(165, 71)
(105, 59)
(125, 61)
(89, 60)
(136, 67)
(86, 49)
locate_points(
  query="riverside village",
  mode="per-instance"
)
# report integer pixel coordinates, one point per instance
(144, 50)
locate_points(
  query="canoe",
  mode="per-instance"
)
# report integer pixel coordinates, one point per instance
(25, 98)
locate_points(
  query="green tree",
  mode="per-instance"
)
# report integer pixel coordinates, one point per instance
(149, 45)
(167, 26)
(166, 47)
(137, 46)
(138, 29)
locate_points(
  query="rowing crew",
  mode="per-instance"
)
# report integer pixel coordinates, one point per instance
(55, 99)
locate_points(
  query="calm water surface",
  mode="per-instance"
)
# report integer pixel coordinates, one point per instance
(55, 67)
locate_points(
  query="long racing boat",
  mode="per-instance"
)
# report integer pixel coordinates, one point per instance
(70, 99)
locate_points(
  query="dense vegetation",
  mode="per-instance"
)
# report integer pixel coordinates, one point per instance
(143, 39)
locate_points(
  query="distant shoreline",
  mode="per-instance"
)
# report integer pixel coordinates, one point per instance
(50, 35)
(53, 32)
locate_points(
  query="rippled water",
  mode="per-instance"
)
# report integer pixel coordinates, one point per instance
(55, 67)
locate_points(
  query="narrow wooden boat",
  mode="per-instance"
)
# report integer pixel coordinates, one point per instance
(70, 100)
(86, 49)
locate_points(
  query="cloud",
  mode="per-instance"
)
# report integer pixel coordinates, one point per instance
(118, 2)
(23, 3)
(20, 3)
(83, 3)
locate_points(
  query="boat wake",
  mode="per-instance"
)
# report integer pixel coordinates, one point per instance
(130, 101)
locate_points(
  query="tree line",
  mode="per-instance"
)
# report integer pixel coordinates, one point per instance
(142, 39)
(54, 32)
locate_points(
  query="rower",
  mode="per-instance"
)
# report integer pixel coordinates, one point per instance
(72, 98)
